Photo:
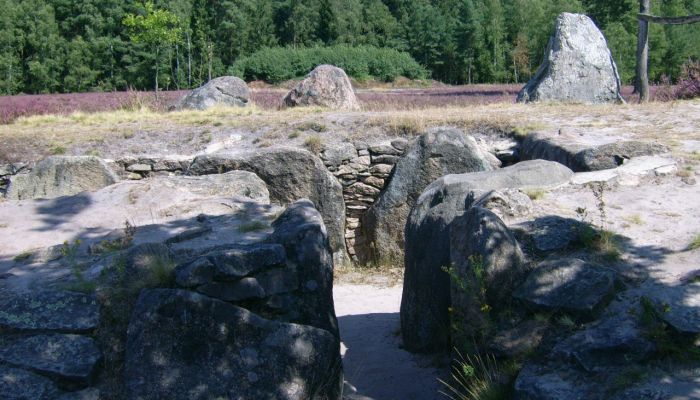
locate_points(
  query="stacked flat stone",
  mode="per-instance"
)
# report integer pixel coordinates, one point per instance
(363, 169)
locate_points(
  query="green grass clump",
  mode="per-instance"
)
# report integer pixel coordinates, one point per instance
(695, 243)
(480, 377)
(314, 144)
(252, 226)
(535, 194)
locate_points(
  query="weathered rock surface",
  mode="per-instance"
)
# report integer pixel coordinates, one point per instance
(183, 345)
(288, 278)
(58, 176)
(70, 358)
(432, 155)
(325, 86)
(611, 343)
(535, 383)
(549, 233)
(18, 384)
(577, 67)
(679, 306)
(583, 154)
(631, 172)
(291, 174)
(486, 266)
(518, 341)
(569, 285)
(426, 293)
(225, 90)
(49, 311)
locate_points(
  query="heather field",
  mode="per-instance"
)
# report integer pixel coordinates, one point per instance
(374, 99)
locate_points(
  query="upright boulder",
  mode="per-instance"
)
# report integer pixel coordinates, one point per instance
(58, 176)
(225, 90)
(325, 86)
(486, 266)
(426, 291)
(432, 155)
(577, 67)
(290, 174)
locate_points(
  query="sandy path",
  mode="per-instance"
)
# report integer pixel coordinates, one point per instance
(374, 364)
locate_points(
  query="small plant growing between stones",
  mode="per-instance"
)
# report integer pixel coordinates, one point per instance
(314, 144)
(669, 344)
(535, 194)
(602, 241)
(480, 377)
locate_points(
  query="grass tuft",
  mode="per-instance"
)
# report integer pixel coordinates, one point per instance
(314, 144)
(480, 377)
(695, 243)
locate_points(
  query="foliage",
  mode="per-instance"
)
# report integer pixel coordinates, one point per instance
(480, 377)
(602, 242)
(283, 63)
(49, 46)
(695, 243)
(314, 144)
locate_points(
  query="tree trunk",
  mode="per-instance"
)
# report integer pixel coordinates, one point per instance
(156, 89)
(189, 62)
(177, 66)
(642, 83)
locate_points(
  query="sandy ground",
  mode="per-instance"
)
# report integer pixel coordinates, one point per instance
(375, 365)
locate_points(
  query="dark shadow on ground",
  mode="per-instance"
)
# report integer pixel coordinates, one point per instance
(377, 366)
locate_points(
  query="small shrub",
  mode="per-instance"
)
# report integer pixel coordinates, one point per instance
(293, 135)
(314, 144)
(689, 81)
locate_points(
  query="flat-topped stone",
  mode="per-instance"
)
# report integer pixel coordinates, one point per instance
(71, 358)
(49, 311)
(565, 284)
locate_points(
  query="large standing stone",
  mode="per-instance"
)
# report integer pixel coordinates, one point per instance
(183, 345)
(325, 86)
(432, 155)
(426, 290)
(58, 176)
(49, 310)
(487, 265)
(291, 174)
(577, 67)
(225, 90)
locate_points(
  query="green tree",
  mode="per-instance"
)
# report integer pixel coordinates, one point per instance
(157, 28)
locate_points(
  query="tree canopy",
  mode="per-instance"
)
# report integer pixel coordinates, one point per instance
(69, 45)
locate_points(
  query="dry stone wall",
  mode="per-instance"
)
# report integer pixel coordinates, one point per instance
(364, 170)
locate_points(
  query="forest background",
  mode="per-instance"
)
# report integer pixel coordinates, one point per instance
(54, 46)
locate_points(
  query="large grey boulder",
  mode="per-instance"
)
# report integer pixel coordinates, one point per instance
(290, 174)
(432, 155)
(183, 345)
(325, 86)
(288, 278)
(225, 90)
(569, 285)
(426, 291)
(486, 266)
(581, 153)
(577, 67)
(58, 176)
